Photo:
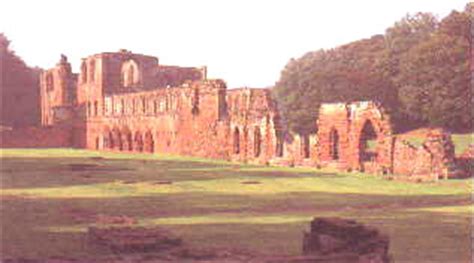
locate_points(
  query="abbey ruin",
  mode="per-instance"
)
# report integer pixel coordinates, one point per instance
(129, 102)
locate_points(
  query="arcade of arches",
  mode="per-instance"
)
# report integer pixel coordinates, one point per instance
(129, 102)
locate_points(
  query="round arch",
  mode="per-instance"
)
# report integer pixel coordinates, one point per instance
(117, 139)
(130, 73)
(138, 142)
(127, 143)
(149, 143)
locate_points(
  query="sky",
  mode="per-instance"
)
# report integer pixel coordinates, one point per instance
(244, 42)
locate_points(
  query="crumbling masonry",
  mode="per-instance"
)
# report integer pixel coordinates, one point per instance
(129, 102)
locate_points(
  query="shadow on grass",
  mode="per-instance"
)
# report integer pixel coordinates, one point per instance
(54, 172)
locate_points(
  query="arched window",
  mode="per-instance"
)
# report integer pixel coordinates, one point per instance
(334, 143)
(130, 74)
(236, 141)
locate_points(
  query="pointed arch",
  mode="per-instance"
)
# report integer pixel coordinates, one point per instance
(368, 140)
(117, 139)
(149, 143)
(127, 143)
(138, 142)
(130, 74)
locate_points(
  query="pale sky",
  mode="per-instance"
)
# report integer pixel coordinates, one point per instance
(245, 42)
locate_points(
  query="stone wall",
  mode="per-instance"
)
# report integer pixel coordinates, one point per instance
(32, 137)
(57, 92)
(183, 120)
(465, 162)
(342, 137)
(432, 160)
(253, 125)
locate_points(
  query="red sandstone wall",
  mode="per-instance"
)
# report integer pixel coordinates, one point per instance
(174, 76)
(183, 120)
(33, 137)
(433, 160)
(334, 117)
(57, 92)
(405, 157)
(349, 121)
(253, 117)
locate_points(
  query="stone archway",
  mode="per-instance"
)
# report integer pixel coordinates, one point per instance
(149, 143)
(117, 139)
(127, 144)
(371, 138)
(368, 140)
(138, 142)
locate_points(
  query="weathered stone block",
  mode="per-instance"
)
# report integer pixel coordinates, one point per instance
(347, 238)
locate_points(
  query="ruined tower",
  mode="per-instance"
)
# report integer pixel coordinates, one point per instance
(58, 94)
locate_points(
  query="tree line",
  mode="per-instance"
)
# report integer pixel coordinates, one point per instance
(419, 70)
(19, 89)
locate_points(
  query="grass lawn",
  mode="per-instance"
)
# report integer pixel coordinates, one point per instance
(49, 198)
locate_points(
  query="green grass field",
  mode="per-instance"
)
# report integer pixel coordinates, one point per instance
(49, 198)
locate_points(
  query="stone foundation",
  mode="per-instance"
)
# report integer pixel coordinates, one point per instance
(37, 137)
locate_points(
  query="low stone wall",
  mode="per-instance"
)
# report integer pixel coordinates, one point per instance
(433, 160)
(465, 162)
(35, 137)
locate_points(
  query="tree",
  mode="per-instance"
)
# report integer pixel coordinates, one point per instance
(434, 77)
(348, 73)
